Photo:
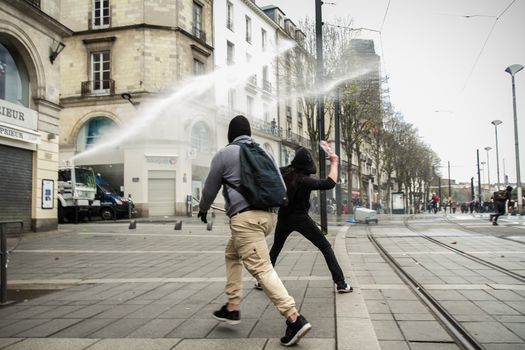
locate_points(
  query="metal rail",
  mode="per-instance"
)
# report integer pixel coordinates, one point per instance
(4, 255)
(501, 269)
(462, 337)
(479, 219)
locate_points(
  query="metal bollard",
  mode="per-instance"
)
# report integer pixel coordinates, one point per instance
(4, 254)
(132, 223)
(3, 251)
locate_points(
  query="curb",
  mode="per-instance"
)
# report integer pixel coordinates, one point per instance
(353, 324)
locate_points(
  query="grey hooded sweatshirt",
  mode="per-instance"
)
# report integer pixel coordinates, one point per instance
(225, 165)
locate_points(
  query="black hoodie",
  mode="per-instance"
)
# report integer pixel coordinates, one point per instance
(300, 184)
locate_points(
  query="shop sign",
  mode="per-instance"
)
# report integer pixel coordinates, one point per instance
(14, 114)
(161, 160)
(19, 134)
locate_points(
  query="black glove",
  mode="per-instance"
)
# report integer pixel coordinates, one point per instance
(202, 216)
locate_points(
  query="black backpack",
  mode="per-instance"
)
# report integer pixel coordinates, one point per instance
(261, 182)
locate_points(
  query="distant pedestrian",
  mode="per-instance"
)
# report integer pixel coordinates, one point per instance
(247, 245)
(273, 126)
(500, 200)
(294, 216)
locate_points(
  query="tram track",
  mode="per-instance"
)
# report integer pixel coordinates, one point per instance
(466, 228)
(484, 262)
(462, 337)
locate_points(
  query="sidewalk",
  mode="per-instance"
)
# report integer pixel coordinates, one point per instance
(155, 288)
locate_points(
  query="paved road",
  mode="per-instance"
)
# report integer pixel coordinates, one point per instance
(107, 287)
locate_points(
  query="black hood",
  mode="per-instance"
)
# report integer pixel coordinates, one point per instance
(303, 161)
(239, 126)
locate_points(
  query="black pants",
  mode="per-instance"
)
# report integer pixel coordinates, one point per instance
(308, 228)
(500, 210)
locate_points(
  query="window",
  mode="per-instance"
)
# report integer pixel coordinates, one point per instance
(249, 106)
(265, 74)
(200, 138)
(248, 29)
(263, 39)
(266, 112)
(198, 67)
(14, 80)
(101, 14)
(230, 53)
(100, 72)
(197, 21)
(231, 99)
(229, 16)
(93, 131)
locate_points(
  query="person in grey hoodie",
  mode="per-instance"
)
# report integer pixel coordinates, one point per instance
(247, 245)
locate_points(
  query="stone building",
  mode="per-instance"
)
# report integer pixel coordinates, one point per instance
(139, 50)
(290, 117)
(31, 38)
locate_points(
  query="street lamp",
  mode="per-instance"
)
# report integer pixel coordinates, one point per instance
(512, 70)
(483, 170)
(496, 123)
(127, 96)
(488, 148)
(320, 106)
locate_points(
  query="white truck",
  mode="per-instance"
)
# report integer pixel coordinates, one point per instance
(76, 193)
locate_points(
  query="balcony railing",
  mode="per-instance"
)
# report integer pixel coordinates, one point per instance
(199, 34)
(268, 128)
(253, 80)
(267, 86)
(296, 139)
(97, 87)
(35, 3)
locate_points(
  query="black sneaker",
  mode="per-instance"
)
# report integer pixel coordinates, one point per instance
(258, 286)
(494, 223)
(230, 317)
(344, 288)
(295, 331)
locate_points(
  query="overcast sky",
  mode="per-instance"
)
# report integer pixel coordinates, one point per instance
(431, 53)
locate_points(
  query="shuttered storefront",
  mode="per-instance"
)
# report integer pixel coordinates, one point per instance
(16, 173)
(161, 193)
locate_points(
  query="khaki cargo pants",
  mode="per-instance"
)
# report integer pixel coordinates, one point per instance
(247, 246)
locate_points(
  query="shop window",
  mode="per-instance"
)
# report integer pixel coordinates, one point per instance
(14, 80)
(93, 131)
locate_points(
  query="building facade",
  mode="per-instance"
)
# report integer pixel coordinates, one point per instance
(31, 38)
(142, 52)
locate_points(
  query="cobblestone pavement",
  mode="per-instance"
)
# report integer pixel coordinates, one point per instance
(113, 288)
(103, 286)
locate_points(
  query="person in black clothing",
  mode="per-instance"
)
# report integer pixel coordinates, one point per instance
(499, 204)
(294, 216)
